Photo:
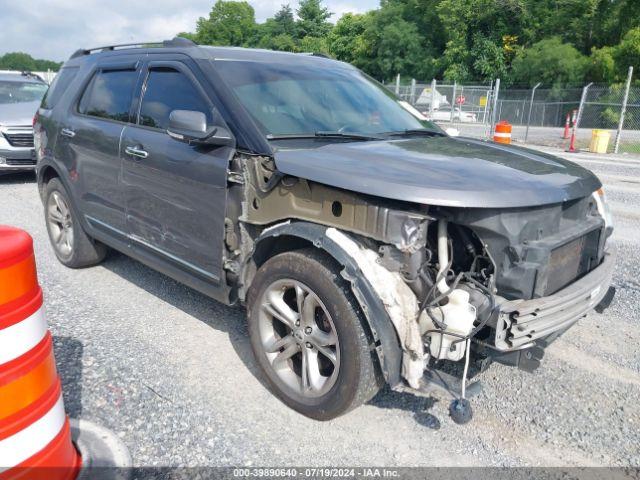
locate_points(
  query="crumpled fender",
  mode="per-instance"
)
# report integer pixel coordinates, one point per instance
(394, 341)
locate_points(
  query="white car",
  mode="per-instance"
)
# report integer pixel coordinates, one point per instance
(443, 114)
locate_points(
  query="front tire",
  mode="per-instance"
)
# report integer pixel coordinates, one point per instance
(73, 247)
(308, 335)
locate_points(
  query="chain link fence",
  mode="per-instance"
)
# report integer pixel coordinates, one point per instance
(539, 115)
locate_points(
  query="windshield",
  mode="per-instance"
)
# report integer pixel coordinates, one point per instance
(302, 99)
(18, 92)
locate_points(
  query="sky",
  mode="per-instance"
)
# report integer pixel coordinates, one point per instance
(54, 29)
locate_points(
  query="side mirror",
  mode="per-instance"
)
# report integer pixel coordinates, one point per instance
(191, 127)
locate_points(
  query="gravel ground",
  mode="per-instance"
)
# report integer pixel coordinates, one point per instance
(171, 372)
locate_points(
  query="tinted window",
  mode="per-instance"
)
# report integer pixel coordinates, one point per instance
(59, 86)
(308, 97)
(168, 90)
(109, 94)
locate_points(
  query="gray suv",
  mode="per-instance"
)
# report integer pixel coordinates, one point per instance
(367, 245)
(20, 96)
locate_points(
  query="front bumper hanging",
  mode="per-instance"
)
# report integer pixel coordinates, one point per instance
(521, 322)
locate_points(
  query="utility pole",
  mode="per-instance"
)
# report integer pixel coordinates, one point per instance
(398, 84)
(533, 94)
(623, 110)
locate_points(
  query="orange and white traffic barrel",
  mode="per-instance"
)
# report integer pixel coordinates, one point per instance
(502, 133)
(35, 437)
(37, 441)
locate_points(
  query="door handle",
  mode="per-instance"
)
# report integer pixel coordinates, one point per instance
(136, 151)
(67, 132)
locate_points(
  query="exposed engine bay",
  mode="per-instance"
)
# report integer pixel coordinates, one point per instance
(457, 283)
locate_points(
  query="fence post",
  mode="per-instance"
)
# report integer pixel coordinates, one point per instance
(453, 101)
(494, 109)
(574, 133)
(398, 84)
(623, 110)
(583, 100)
(486, 107)
(433, 98)
(533, 94)
(413, 92)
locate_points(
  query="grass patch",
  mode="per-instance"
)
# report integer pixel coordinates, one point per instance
(629, 148)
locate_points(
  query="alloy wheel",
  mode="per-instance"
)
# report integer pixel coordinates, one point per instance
(299, 338)
(60, 223)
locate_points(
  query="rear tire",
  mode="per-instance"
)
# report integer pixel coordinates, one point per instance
(328, 340)
(73, 247)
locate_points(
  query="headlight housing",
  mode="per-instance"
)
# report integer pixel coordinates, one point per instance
(603, 209)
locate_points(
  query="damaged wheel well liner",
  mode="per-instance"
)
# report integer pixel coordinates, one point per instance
(295, 235)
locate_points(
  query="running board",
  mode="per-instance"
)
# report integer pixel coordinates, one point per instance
(437, 381)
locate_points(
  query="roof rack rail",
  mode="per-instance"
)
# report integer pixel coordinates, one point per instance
(174, 42)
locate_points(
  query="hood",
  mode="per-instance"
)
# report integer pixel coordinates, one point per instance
(445, 171)
(18, 114)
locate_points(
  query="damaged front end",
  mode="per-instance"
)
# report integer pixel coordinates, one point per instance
(436, 284)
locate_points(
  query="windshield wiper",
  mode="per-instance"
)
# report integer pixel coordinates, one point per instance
(415, 132)
(345, 135)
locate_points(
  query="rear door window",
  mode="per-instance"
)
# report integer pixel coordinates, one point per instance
(109, 95)
(168, 89)
(59, 85)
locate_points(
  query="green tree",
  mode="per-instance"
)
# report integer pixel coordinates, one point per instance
(25, 62)
(627, 53)
(488, 59)
(17, 61)
(347, 41)
(283, 42)
(574, 21)
(398, 50)
(558, 42)
(476, 31)
(314, 45)
(602, 65)
(284, 21)
(313, 19)
(551, 62)
(276, 33)
(229, 23)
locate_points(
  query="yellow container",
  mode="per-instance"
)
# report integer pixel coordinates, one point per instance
(599, 141)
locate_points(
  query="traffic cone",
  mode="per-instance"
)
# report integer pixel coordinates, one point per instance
(572, 142)
(35, 437)
(37, 441)
(567, 124)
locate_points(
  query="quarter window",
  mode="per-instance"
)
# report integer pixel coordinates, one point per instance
(167, 90)
(59, 85)
(109, 95)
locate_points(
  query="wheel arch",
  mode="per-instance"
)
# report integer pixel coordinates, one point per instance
(296, 235)
(45, 174)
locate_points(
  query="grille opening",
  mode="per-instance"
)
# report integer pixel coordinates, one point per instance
(20, 139)
(16, 162)
(571, 261)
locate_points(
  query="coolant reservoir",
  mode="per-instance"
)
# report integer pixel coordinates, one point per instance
(458, 315)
